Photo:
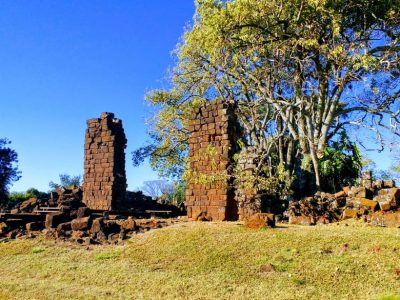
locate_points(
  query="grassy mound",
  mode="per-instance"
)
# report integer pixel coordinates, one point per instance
(211, 261)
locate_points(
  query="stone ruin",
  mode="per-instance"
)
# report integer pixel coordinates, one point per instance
(100, 212)
(211, 147)
(214, 131)
(104, 182)
(212, 195)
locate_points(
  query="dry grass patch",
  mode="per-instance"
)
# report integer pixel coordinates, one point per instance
(211, 261)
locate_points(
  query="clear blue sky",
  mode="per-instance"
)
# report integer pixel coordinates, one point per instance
(63, 62)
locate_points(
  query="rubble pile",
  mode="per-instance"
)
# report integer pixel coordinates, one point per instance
(376, 202)
(67, 218)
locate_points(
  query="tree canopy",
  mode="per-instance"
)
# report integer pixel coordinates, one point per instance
(300, 71)
(8, 169)
(66, 181)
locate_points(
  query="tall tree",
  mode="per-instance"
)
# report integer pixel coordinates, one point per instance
(66, 181)
(8, 169)
(300, 71)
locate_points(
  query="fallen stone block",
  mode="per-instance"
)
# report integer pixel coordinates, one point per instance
(385, 205)
(111, 227)
(370, 205)
(81, 224)
(97, 225)
(378, 184)
(386, 219)
(350, 213)
(83, 212)
(340, 194)
(34, 226)
(323, 220)
(260, 220)
(29, 204)
(391, 195)
(128, 224)
(361, 192)
(77, 234)
(54, 219)
(387, 184)
(347, 189)
(302, 220)
(64, 227)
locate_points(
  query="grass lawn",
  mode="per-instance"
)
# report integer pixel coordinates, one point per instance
(211, 261)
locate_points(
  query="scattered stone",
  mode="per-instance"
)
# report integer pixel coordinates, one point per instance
(83, 212)
(34, 226)
(387, 184)
(81, 223)
(29, 205)
(386, 219)
(302, 220)
(260, 220)
(268, 268)
(97, 225)
(64, 227)
(128, 224)
(350, 213)
(54, 219)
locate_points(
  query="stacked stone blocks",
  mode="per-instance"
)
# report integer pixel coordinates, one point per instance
(212, 143)
(104, 186)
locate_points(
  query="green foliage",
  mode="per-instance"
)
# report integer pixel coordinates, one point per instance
(8, 170)
(341, 164)
(299, 71)
(179, 192)
(18, 197)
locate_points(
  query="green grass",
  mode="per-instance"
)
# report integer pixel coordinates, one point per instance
(210, 261)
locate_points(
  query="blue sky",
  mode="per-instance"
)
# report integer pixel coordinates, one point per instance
(63, 62)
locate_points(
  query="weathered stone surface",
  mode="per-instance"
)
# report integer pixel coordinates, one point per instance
(340, 194)
(81, 224)
(64, 227)
(97, 225)
(260, 220)
(387, 184)
(104, 186)
(386, 219)
(350, 213)
(83, 212)
(363, 203)
(34, 226)
(29, 204)
(211, 148)
(111, 227)
(54, 219)
(302, 220)
(361, 192)
(128, 224)
(385, 205)
(391, 195)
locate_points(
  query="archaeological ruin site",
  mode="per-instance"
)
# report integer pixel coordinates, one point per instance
(102, 210)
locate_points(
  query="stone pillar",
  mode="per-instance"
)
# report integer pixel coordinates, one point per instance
(249, 199)
(210, 194)
(104, 182)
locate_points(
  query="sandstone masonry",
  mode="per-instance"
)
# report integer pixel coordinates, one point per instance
(211, 148)
(104, 185)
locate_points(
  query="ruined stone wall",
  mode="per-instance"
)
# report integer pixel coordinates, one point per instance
(104, 185)
(212, 144)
